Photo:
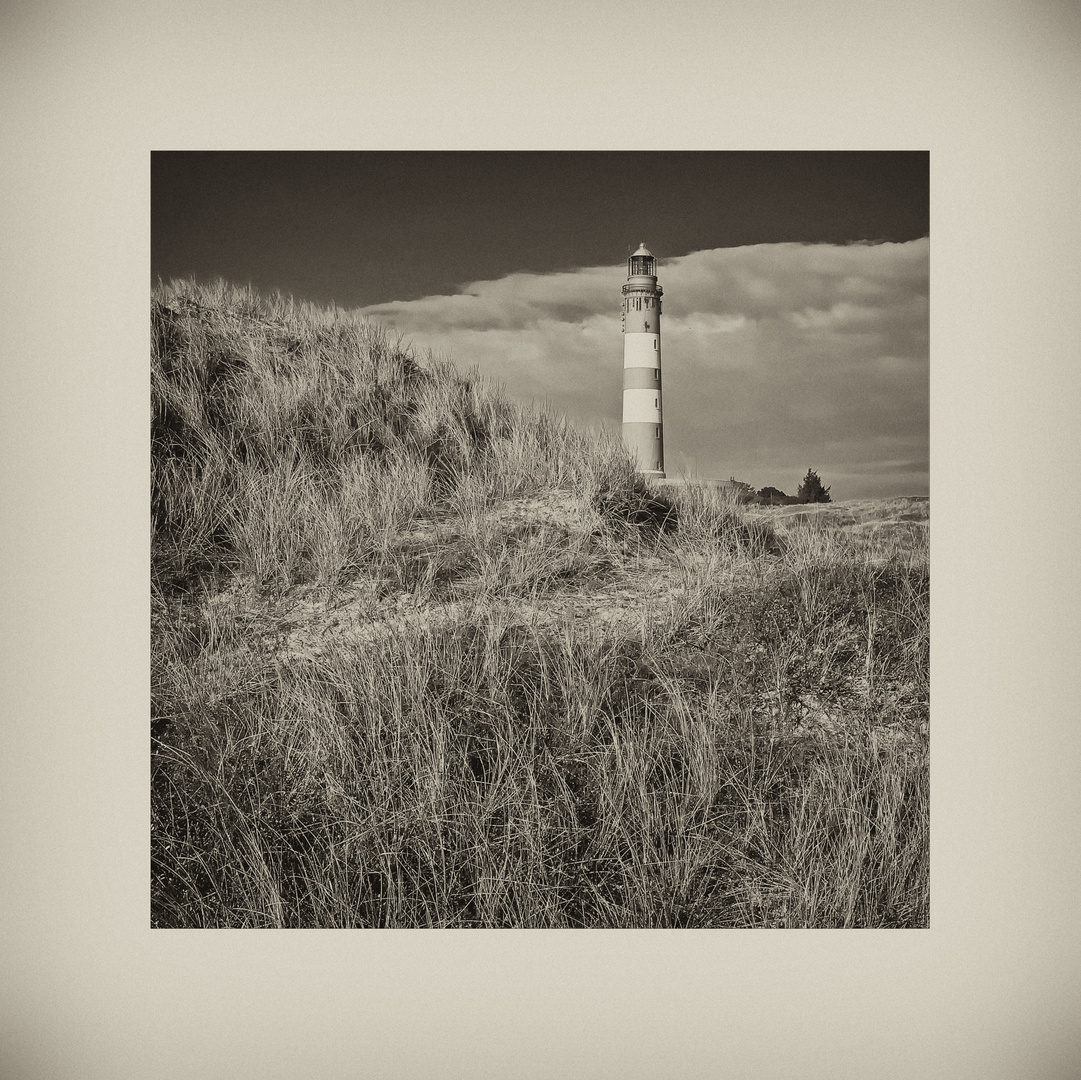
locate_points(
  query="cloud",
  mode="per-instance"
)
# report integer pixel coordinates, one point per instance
(777, 357)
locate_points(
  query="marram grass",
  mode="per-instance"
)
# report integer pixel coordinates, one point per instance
(423, 657)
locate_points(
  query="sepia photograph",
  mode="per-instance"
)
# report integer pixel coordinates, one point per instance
(512, 524)
(463, 616)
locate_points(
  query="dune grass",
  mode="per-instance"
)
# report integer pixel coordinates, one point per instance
(423, 657)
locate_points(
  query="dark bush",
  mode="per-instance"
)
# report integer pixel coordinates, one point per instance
(811, 490)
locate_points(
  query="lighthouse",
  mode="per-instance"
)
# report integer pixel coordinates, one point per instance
(642, 427)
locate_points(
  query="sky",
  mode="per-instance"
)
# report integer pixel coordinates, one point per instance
(795, 325)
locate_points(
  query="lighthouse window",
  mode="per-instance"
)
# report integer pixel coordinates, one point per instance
(654, 344)
(656, 403)
(658, 433)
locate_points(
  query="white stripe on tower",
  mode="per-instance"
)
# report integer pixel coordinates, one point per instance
(643, 431)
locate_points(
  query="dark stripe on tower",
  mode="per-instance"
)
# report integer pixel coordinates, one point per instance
(641, 378)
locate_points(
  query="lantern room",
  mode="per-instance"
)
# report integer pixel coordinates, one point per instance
(641, 263)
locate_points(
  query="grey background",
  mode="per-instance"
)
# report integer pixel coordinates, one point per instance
(87, 990)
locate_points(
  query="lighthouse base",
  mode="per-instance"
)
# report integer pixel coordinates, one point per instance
(646, 446)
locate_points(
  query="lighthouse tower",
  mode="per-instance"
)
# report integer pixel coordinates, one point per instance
(642, 428)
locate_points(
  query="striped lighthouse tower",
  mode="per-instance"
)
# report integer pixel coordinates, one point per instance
(642, 428)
